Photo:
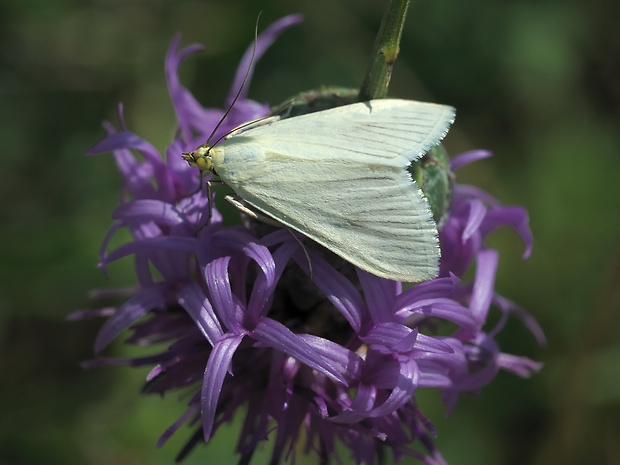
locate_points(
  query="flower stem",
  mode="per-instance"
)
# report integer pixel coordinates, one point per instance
(386, 50)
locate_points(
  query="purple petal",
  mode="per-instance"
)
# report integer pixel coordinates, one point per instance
(402, 390)
(143, 271)
(484, 281)
(528, 320)
(149, 210)
(380, 296)
(387, 334)
(435, 288)
(275, 335)
(358, 410)
(520, 366)
(94, 313)
(191, 115)
(338, 289)
(192, 298)
(282, 255)
(215, 372)
(433, 375)
(393, 336)
(103, 250)
(516, 217)
(345, 361)
(401, 377)
(477, 213)
(464, 193)
(446, 309)
(482, 376)
(264, 285)
(238, 238)
(127, 140)
(225, 303)
(135, 308)
(157, 244)
(175, 426)
(115, 141)
(468, 157)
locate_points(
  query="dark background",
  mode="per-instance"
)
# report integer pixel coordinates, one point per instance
(537, 82)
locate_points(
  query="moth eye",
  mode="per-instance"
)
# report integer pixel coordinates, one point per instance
(204, 163)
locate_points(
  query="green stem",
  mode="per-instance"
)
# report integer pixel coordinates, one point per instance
(386, 50)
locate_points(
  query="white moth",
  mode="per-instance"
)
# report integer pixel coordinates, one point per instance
(340, 177)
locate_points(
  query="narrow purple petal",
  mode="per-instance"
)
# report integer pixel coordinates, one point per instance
(135, 308)
(149, 210)
(520, 366)
(380, 296)
(528, 320)
(127, 140)
(402, 339)
(103, 250)
(431, 345)
(433, 375)
(282, 255)
(157, 244)
(175, 426)
(387, 334)
(402, 391)
(115, 141)
(463, 193)
(225, 303)
(358, 410)
(275, 335)
(190, 114)
(468, 157)
(265, 284)
(143, 271)
(516, 217)
(446, 309)
(236, 239)
(94, 313)
(401, 377)
(136, 175)
(436, 288)
(477, 213)
(348, 363)
(191, 297)
(484, 281)
(338, 289)
(215, 372)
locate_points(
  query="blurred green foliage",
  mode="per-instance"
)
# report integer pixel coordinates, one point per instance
(536, 82)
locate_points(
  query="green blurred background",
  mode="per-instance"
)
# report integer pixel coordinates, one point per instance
(537, 82)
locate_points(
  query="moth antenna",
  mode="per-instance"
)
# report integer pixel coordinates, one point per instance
(249, 123)
(247, 74)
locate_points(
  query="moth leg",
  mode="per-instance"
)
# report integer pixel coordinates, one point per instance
(285, 109)
(200, 178)
(236, 202)
(209, 199)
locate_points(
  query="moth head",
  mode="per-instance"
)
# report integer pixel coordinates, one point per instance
(199, 158)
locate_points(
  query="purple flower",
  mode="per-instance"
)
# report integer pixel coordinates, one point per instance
(338, 357)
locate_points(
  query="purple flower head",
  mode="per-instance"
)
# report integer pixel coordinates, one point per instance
(336, 354)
